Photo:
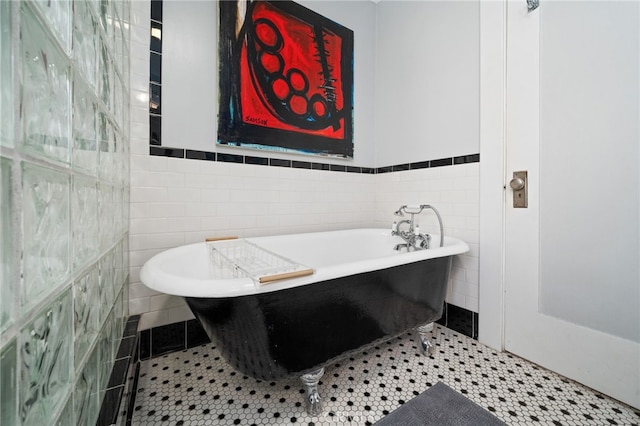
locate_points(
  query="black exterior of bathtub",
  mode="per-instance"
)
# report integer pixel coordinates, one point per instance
(300, 329)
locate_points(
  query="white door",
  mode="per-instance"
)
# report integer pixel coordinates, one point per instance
(572, 257)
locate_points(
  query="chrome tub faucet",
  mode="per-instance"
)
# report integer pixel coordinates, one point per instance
(414, 239)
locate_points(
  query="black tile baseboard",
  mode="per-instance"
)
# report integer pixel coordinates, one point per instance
(171, 338)
(144, 344)
(196, 335)
(460, 319)
(188, 334)
(119, 392)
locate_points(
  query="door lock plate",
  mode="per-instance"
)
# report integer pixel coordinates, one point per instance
(519, 184)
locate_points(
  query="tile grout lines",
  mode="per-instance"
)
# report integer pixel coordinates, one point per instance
(197, 387)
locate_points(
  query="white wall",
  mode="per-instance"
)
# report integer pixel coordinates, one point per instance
(427, 80)
(190, 77)
(178, 201)
(416, 78)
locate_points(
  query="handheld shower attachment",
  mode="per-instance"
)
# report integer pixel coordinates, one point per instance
(417, 209)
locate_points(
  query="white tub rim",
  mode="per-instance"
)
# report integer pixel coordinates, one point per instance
(154, 273)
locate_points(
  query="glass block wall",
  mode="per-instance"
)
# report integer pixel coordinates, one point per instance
(64, 189)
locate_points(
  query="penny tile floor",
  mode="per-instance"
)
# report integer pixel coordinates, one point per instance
(197, 387)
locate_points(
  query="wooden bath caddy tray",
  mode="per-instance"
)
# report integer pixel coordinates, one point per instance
(237, 258)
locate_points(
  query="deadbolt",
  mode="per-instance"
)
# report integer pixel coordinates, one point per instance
(519, 186)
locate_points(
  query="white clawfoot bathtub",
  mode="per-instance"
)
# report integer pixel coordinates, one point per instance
(360, 291)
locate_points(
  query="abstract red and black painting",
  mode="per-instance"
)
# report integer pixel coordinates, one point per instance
(286, 79)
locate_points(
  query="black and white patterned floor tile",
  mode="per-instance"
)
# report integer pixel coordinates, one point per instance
(197, 387)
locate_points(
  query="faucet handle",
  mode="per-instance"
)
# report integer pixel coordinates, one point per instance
(425, 242)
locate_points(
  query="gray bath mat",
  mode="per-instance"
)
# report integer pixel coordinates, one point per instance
(440, 405)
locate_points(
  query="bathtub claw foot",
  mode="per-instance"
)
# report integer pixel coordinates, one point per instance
(310, 382)
(426, 334)
(314, 403)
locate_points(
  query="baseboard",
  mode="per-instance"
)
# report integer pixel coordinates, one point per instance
(187, 334)
(120, 391)
(460, 319)
(171, 338)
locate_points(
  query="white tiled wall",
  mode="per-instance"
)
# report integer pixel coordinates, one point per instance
(454, 191)
(178, 201)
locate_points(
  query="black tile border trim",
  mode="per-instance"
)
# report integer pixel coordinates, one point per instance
(200, 155)
(297, 164)
(155, 117)
(230, 158)
(277, 162)
(166, 152)
(463, 159)
(420, 165)
(401, 167)
(441, 162)
(260, 161)
(320, 166)
(127, 358)
(301, 164)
